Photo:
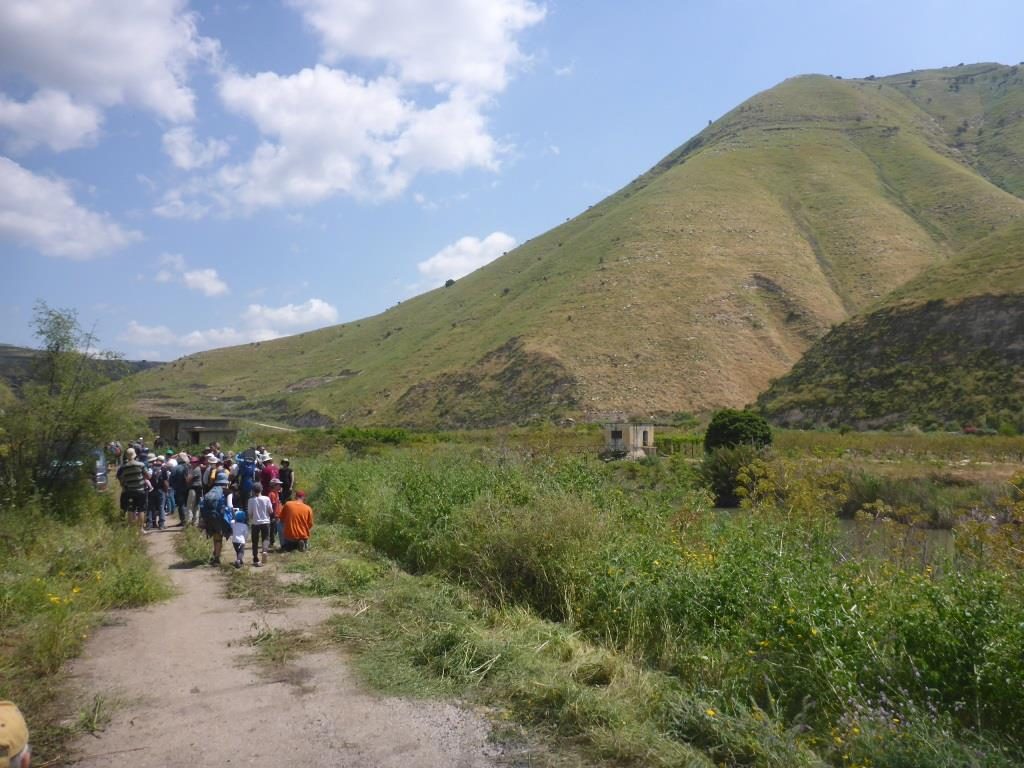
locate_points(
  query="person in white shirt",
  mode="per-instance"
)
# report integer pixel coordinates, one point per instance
(239, 534)
(260, 511)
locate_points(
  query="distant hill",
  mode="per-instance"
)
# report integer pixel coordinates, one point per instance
(16, 367)
(944, 351)
(691, 288)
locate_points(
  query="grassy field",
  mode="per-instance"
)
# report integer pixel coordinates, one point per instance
(690, 288)
(610, 606)
(62, 571)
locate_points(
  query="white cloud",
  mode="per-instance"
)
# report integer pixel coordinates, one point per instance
(467, 43)
(464, 256)
(175, 269)
(49, 118)
(106, 53)
(41, 213)
(212, 338)
(309, 314)
(206, 281)
(138, 334)
(327, 131)
(173, 260)
(261, 323)
(188, 152)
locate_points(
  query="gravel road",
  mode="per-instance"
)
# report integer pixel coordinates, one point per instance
(185, 692)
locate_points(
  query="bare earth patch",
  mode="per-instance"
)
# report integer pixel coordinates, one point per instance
(189, 692)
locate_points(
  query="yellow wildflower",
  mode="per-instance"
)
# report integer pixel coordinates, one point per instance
(710, 712)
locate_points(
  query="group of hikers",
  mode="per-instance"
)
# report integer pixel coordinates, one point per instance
(245, 497)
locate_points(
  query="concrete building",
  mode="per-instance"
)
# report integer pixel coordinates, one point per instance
(185, 431)
(623, 440)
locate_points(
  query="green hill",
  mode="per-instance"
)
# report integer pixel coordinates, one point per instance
(945, 350)
(16, 367)
(690, 288)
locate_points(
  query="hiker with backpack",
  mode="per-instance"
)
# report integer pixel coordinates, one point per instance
(179, 486)
(159, 485)
(195, 492)
(246, 477)
(217, 515)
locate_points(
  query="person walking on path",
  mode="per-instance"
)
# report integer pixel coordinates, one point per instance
(274, 494)
(260, 512)
(217, 515)
(239, 533)
(158, 479)
(296, 523)
(195, 492)
(132, 477)
(287, 477)
(269, 471)
(179, 487)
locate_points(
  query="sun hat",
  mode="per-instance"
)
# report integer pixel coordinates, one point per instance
(275, 481)
(222, 478)
(212, 459)
(13, 730)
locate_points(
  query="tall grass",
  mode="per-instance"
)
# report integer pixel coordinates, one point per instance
(751, 613)
(59, 575)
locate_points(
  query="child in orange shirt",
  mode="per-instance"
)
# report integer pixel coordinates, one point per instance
(275, 503)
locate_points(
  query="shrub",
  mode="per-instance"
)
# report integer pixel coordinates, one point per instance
(729, 428)
(720, 471)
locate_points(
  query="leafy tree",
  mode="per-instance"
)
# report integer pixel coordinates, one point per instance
(64, 412)
(729, 428)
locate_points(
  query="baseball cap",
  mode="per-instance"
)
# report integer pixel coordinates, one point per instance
(13, 730)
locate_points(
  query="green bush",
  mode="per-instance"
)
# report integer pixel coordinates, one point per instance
(729, 428)
(753, 614)
(720, 470)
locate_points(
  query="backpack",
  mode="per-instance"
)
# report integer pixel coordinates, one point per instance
(179, 478)
(246, 475)
(213, 508)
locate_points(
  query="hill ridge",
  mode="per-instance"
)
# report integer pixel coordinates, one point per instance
(690, 288)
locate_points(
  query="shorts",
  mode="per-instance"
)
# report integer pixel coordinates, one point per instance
(133, 501)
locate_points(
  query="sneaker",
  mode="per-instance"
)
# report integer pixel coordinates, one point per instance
(258, 564)
(214, 561)
(238, 563)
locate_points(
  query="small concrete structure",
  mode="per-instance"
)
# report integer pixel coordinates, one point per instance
(184, 431)
(623, 440)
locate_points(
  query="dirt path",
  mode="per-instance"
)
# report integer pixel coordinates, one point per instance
(187, 693)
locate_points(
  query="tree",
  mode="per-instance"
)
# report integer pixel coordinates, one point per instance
(64, 413)
(729, 428)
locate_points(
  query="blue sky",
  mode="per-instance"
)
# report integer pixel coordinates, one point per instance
(191, 175)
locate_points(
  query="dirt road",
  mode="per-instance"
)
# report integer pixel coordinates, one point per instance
(185, 692)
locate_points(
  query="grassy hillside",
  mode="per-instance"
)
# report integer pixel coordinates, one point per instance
(945, 350)
(690, 288)
(16, 367)
(978, 108)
